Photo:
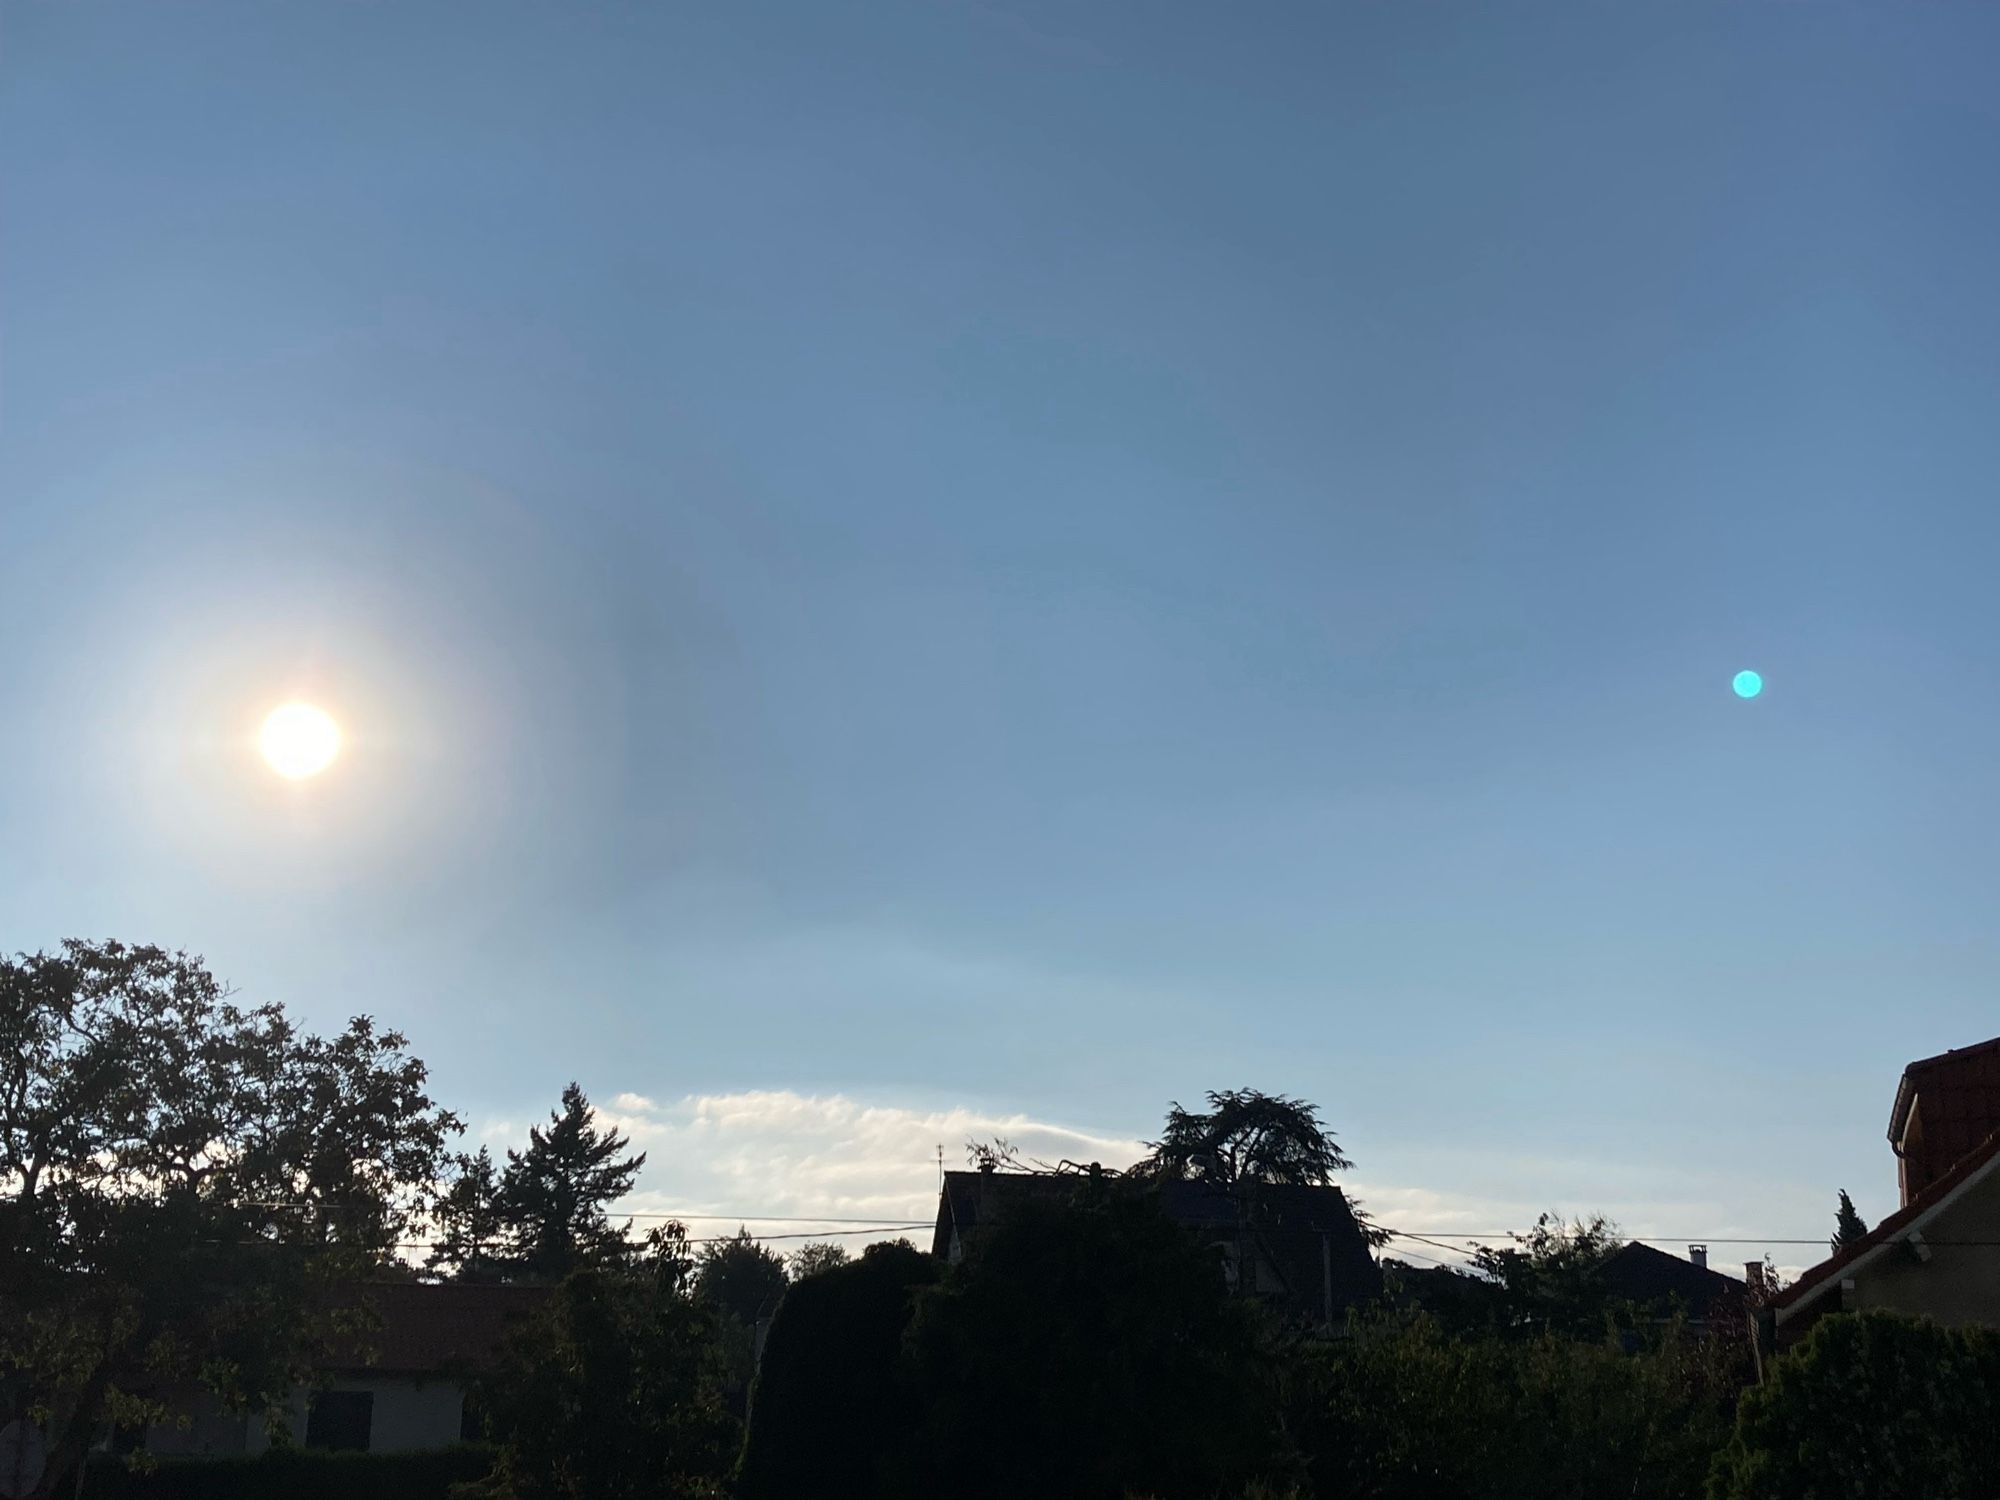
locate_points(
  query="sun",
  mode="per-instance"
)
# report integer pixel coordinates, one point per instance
(299, 740)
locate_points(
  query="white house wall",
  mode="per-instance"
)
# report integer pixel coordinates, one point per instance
(408, 1416)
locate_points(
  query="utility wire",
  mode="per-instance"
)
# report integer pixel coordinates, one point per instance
(713, 1239)
(1645, 1239)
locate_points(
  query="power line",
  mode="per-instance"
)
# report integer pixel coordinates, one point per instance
(759, 1218)
(1444, 1239)
(324, 1208)
(1428, 1259)
(1645, 1239)
(713, 1239)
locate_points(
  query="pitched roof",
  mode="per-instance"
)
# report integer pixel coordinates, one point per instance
(970, 1200)
(1970, 1168)
(425, 1328)
(1647, 1275)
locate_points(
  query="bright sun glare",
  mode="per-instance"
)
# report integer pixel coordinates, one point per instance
(299, 740)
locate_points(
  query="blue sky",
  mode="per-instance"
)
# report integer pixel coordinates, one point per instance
(1034, 560)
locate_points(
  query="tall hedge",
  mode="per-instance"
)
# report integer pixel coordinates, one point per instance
(828, 1409)
(293, 1474)
(1872, 1406)
(1403, 1410)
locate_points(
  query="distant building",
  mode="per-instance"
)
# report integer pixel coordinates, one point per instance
(1938, 1255)
(1298, 1248)
(400, 1387)
(1669, 1286)
(1658, 1286)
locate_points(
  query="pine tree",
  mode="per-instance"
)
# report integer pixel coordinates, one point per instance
(471, 1230)
(553, 1195)
(1848, 1226)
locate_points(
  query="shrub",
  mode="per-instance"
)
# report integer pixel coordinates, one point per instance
(1089, 1348)
(611, 1393)
(828, 1410)
(1872, 1406)
(292, 1474)
(1402, 1410)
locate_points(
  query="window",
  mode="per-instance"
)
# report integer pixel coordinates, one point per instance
(340, 1419)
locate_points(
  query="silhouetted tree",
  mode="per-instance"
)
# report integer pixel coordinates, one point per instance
(1848, 1226)
(829, 1416)
(1087, 1347)
(553, 1195)
(614, 1392)
(814, 1257)
(180, 1179)
(1245, 1137)
(470, 1222)
(741, 1277)
(1551, 1279)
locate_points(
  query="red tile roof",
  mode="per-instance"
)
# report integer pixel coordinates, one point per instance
(424, 1328)
(1967, 1167)
(1945, 1107)
(1955, 1059)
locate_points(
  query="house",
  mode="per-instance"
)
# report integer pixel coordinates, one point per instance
(396, 1388)
(1938, 1255)
(1667, 1284)
(1658, 1287)
(1296, 1247)
(1946, 1106)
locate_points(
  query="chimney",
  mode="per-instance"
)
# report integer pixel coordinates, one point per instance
(1699, 1255)
(1753, 1275)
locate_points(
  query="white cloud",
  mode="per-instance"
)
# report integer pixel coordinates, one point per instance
(801, 1159)
(788, 1164)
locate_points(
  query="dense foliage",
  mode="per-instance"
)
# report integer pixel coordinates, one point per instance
(1245, 1136)
(614, 1392)
(181, 1182)
(1403, 1410)
(1088, 1347)
(547, 1212)
(185, 1185)
(472, 1239)
(815, 1256)
(740, 1277)
(1871, 1406)
(832, 1414)
(1548, 1280)
(293, 1474)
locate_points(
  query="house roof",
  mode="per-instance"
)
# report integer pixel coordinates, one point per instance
(424, 1328)
(970, 1200)
(1972, 1168)
(1930, 1067)
(1311, 1254)
(1647, 1275)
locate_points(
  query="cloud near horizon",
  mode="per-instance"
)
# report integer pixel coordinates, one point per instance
(786, 1163)
(797, 1158)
